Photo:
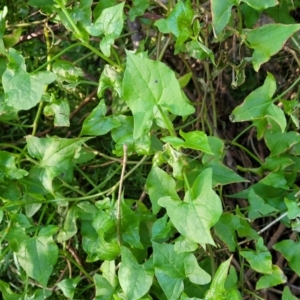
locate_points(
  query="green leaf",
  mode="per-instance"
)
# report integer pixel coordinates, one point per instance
(259, 260)
(7, 293)
(160, 229)
(277, 163)
(7, 112)
(291, 251)
(183, 244)
(105, 245)
(277, 115)
(217, 289)
(293, 208)
(60, 109)
(149, 86)
(3, 14)
(184, 80)
(36, 255)
(176, 160)
(160, 184)
(267, 40)
(179, 22)
(258, 207)
(198, 50)
(201, 210)
(68, 75)
(172, 287)
(221, 12)
(69, 227)
(217, 147)
(10, 40)
(269, 280)
(68, 286)
(256, 103)
(130, 226)
(55, 155)
(109, 24)
(222, 175)
(8, 169)
(109, 78)
(250, 15)
(97, 123)
(178, 265)
(291, 108)
(287, 295)
(123, 135)
(135, 279)
(39, 294)
(138, 9)
(82, 13)
(260, 5)
(281, 13)
(196, 140)
(281, 142)
(101, 6)
(104, 290)
(108, 269)
(41, 3)
(22, 90)
(167, 260)
(225, 229)
(193, 271)
(275, 179)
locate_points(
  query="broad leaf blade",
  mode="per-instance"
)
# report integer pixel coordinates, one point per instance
(291, 251)
(267, 40)
(172, 287)
(37, 256)
(97, 123)
(68, 286)
(217, 289)
(134, 279)
(256, 103)
(109, 24)
(179, 23)
(104, 290)
(221, 12)
(23, 90)
(160, 184)
(193, 140)
(150, 85)
(55, 155)
(195, 217)
(273, 279)
(259, 260)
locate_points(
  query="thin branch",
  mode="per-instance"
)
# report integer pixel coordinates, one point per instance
(83, 103)
(125, 148)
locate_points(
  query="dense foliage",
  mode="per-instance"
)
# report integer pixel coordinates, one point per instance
(149, 149)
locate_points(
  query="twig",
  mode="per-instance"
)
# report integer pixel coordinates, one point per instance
(37, 33)
(272, 223)
(120, 195)
(281, 228)
(83, 103)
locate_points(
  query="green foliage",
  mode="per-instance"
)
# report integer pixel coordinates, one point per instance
(149, 149)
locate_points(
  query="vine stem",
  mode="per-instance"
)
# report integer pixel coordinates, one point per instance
(167, 122)
(273, 222)
(41, 104)
(88, 197)
(287, 90)
(119, 223)
(78, 35)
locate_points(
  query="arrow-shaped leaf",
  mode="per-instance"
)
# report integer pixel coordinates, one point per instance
(194, 218)
(150, 85)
